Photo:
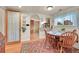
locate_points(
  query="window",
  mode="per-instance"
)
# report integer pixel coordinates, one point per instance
(66, 19)
(58, 20)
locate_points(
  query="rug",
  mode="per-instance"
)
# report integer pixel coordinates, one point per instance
(37, 46)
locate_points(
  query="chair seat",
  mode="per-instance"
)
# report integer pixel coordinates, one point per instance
(67, 46)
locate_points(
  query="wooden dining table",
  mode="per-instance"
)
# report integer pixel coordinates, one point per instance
(57, 37)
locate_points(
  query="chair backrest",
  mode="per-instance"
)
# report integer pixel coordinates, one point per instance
(69, 38)
(76, 32)
(47, 35)
(2, 43)
(45, 31)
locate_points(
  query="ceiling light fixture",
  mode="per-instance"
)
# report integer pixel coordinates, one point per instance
(19, 6)
(49, 8)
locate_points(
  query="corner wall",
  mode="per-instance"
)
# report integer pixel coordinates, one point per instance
(2, 21)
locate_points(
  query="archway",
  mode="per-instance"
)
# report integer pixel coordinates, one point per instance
(34, 27)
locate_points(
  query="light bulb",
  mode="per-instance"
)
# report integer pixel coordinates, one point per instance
(19, 6)
(49, 8)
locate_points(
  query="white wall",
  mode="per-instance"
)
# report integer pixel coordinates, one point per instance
(41, 31)
(26, 35)
(66, 11)
(69, 28)
(2, 21)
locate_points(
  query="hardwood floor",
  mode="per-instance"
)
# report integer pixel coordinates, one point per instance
(36, 46)
(13, 48)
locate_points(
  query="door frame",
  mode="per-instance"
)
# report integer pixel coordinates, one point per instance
(6, 27)
(33, 24)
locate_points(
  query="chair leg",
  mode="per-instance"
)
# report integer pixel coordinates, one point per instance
(61, 50)
(45, 43)
(58, 47)
(72, 50)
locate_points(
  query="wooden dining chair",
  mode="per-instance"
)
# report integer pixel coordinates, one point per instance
(67, 41)
(45, 33)
(48, 40)
(2, 43)
(75, 31)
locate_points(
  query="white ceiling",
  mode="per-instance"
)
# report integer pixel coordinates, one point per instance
(38, 9)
